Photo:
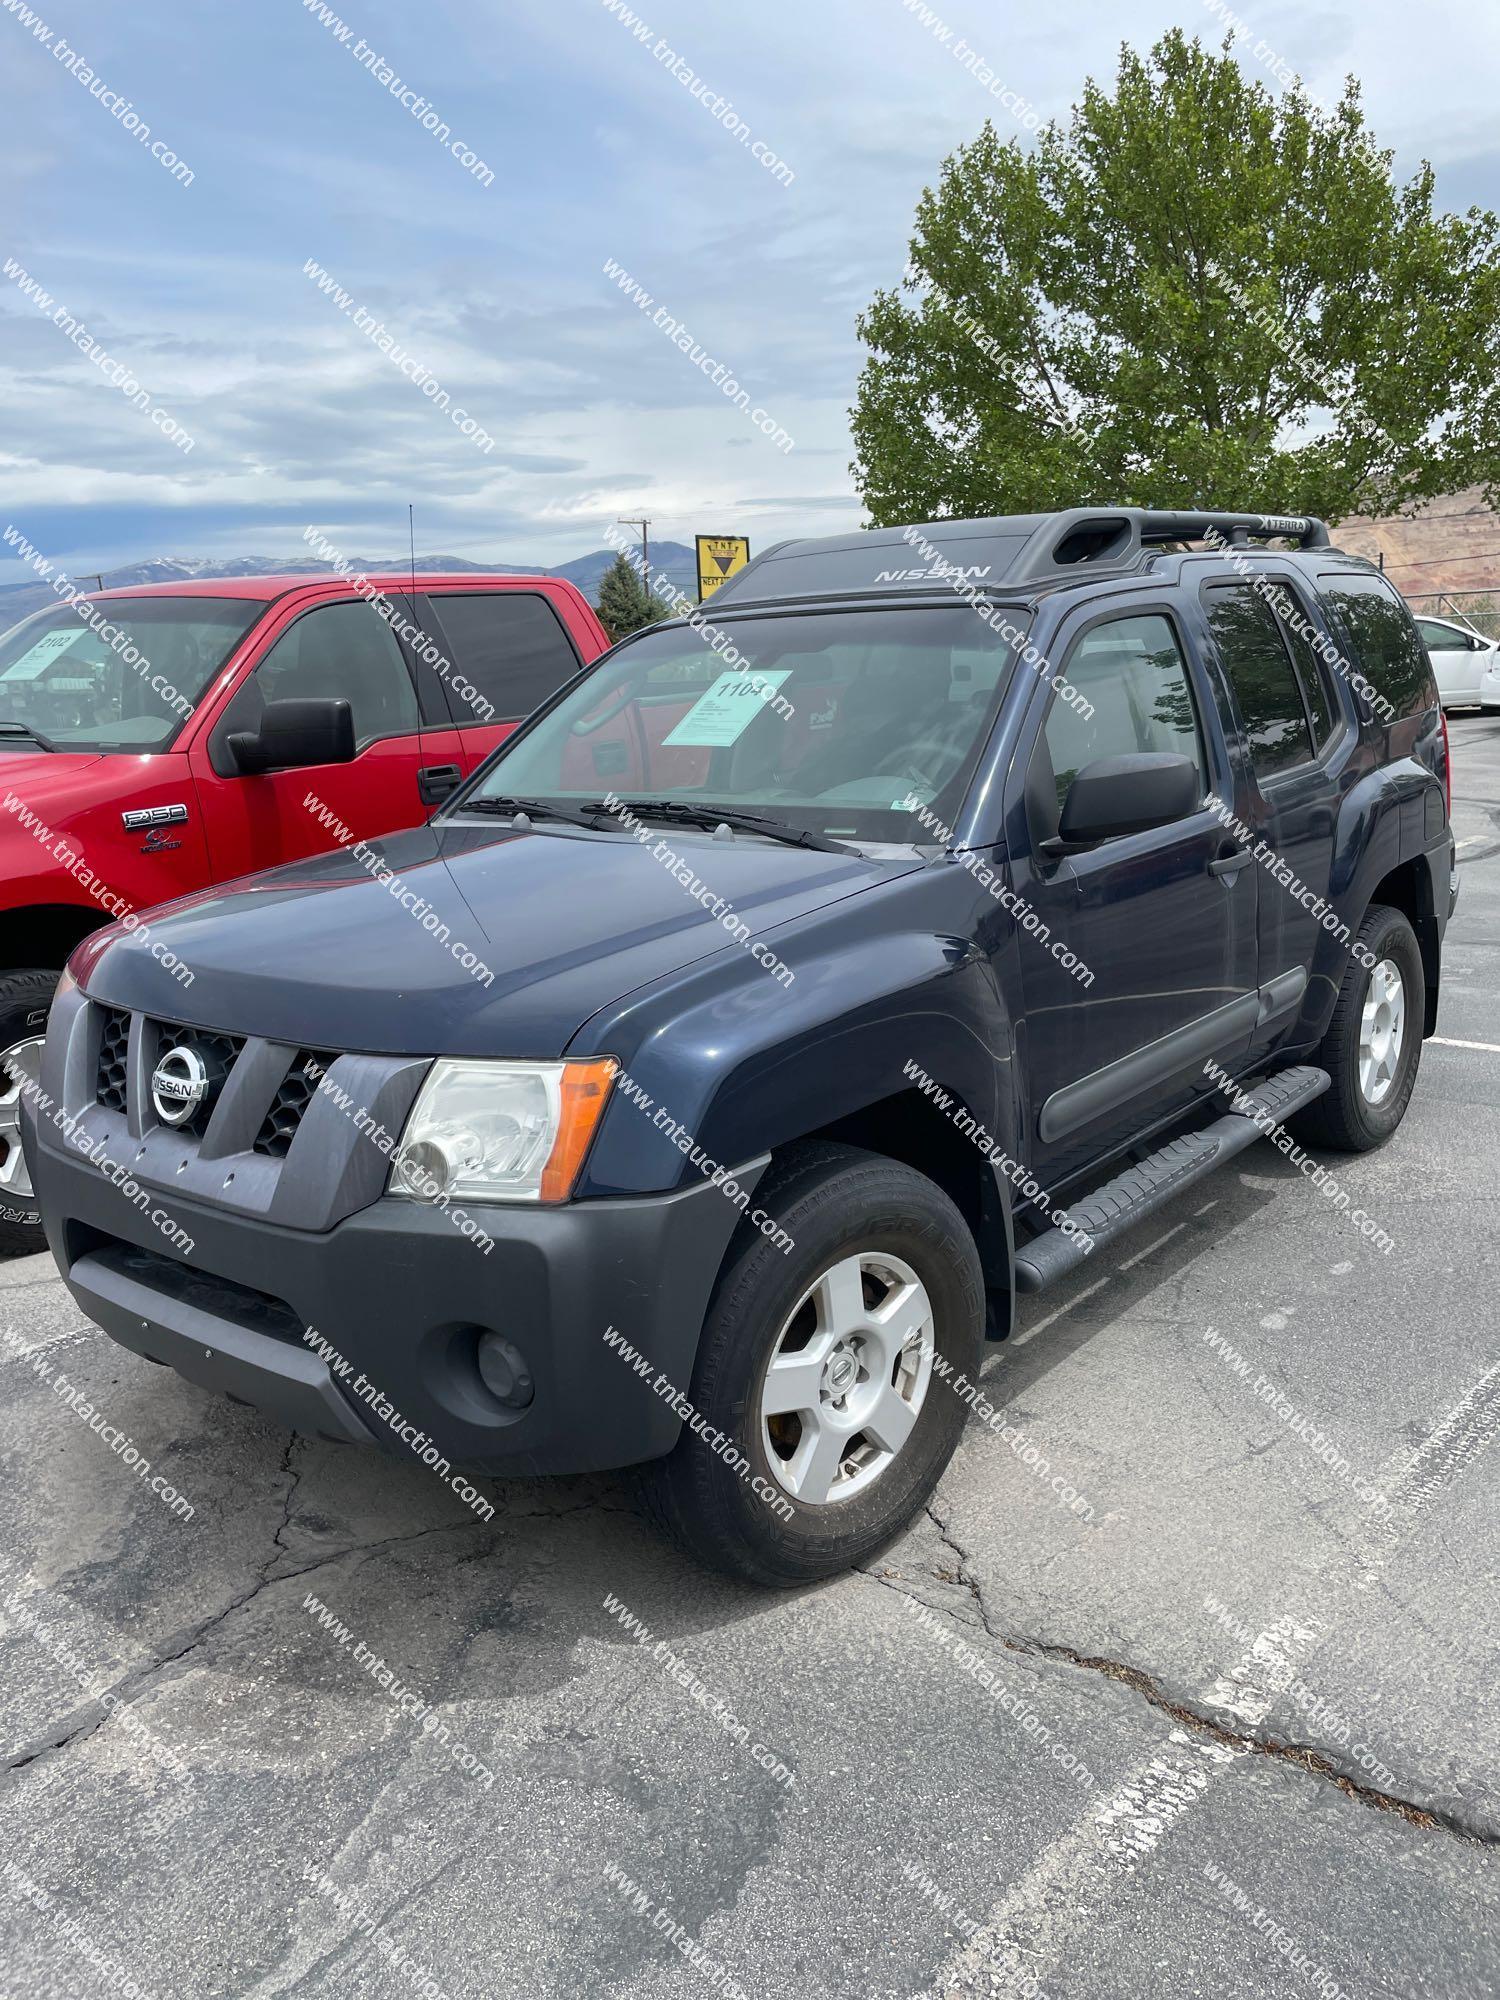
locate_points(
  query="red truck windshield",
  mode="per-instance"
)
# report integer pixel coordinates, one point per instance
(120, 673)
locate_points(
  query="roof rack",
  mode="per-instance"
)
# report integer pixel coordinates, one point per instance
(1080, 535)
(1006, 552)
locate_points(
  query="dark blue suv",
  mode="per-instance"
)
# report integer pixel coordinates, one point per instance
(698, 1089)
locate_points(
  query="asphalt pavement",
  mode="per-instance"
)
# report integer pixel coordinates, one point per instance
(1185, 1686)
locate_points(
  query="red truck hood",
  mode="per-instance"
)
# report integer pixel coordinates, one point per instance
(45, 778)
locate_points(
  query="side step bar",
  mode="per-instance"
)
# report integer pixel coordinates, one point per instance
(1147, 1186)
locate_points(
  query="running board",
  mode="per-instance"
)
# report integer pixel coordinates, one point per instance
(1147, 1186)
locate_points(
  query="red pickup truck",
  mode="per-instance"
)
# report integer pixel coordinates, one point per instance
(162, 740)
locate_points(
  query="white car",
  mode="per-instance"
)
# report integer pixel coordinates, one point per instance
(1466, 663)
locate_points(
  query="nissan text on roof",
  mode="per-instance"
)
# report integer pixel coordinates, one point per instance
(861, 960)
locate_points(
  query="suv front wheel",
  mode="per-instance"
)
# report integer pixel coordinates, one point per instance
(828, 1378)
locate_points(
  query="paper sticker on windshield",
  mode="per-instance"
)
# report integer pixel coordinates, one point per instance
(725, 712)
(40, 657)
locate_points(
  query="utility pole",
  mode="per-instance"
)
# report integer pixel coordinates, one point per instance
(624, 521)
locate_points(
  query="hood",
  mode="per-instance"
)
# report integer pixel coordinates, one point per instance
(480, 941)
(46, 779)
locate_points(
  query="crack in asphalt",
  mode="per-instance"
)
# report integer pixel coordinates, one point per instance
(1304, 1755)
(86, 1721)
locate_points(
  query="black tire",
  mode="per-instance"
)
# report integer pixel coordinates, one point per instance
(833, 1201)
(24, 1000)
(1343, 1119)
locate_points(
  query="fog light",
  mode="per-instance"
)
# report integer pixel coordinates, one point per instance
(503, 1370)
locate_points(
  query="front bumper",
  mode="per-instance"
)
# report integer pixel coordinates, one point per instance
(402, 1297)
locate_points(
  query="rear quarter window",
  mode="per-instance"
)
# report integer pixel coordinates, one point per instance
(508, 650)
(1387, 648)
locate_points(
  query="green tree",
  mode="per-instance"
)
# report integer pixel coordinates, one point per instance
(1198, 294)
(625, 605)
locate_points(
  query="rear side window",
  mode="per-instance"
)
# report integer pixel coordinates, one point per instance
(1386, 646)
(508, 651)
(1294, 629)
(1248, 635)
(1131, 672)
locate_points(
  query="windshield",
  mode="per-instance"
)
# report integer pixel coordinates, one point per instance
(830, 720)
(120, 673)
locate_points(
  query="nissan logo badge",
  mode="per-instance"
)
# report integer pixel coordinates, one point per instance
(179, 1084)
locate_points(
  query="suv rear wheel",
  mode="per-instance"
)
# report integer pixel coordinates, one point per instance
(825, 1375)
(24, 1000)
(1374, 1041)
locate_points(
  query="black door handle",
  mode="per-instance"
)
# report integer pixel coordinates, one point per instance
(436, 781)
(1230, 861)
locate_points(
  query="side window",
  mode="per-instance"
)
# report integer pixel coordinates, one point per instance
(1296, 632)
(1246, 632)
(344, 652)
(1125, 688)
(509, 652)
(1387, 649)
(1441, 638)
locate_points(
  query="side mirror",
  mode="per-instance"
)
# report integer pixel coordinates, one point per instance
(1119, 795)
(293, 733)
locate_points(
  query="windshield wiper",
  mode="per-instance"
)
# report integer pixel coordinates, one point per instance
(687, 813)
(507, 808)
(25, 729)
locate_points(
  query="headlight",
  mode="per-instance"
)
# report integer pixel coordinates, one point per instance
(497, 1131)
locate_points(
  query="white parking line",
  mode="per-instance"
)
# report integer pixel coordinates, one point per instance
(1488, 1048)
(1067, 1888)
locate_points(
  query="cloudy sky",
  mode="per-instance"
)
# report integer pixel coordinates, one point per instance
(499, 291)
